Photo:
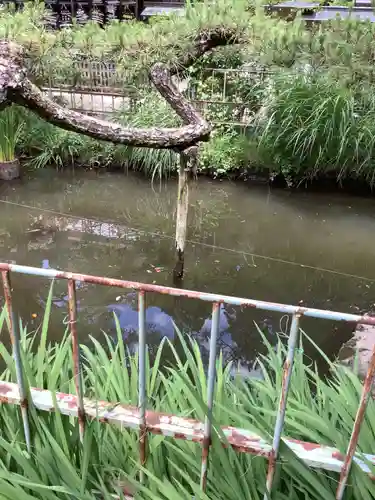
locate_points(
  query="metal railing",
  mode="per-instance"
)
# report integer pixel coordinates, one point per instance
(145, 421)
(97, 88)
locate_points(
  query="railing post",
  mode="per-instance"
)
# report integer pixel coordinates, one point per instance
(15, 340)
(365, 396)
(142, 380)
(211, 376)
(76, 355)
(287, 375)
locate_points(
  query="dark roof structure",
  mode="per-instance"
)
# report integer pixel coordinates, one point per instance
(102, 11)
(316, 12)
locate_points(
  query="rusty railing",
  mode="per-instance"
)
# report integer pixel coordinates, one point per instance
(145, 421)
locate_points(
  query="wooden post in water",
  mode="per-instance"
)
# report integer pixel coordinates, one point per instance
(182, 215)
(186, 171)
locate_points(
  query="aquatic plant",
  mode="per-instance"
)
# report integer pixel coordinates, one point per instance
(11, 126)
(60, 466)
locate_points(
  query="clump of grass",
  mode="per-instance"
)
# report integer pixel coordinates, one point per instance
(150, 110)
(46, 145)
(11, 126)
(316, 126)
(61, 467)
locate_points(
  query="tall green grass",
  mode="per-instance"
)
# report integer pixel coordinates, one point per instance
(11, 126)
(318, 126)
(310, 126)
(59, 467)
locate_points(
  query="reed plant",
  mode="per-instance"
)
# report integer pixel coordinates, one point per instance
(150, 111)
(317, 127)
(59, 466)
(11, 126)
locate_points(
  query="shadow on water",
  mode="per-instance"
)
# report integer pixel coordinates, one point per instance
(119, 226)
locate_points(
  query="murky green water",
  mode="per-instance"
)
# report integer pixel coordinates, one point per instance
(120, 226)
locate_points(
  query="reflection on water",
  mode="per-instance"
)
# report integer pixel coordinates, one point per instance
(119, 226)
(161, 325)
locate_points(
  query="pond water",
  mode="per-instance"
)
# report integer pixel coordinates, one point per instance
(245, 240)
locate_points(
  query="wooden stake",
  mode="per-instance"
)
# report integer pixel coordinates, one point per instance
(187, 171)
(182, 215)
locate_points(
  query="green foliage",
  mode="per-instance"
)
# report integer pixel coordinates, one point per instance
(133, 49)
(347, 46)
(224, 154)
(315, 126)
(11, 126)
(312, 125)
(59, 466)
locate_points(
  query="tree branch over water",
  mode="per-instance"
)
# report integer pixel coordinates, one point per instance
(15, 86)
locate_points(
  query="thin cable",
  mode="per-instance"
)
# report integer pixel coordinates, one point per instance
(195, 242)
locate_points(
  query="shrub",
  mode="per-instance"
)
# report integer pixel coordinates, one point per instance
(224, 154)
(317, 126)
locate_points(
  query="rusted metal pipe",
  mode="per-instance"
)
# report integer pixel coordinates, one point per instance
(142, 380)
(280, 418)
(15, 341)
(127, 417)
(365, 396)
(76, 355)
(211, 376)
(207, 297)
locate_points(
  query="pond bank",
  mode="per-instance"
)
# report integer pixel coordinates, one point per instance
(256, 177)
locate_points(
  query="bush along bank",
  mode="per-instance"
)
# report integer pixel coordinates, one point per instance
(302, 129)
(43, 145)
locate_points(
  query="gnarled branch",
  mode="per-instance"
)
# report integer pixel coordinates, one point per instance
(16, 87)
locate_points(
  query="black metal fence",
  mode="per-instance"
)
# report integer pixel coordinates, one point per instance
(62, 12)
